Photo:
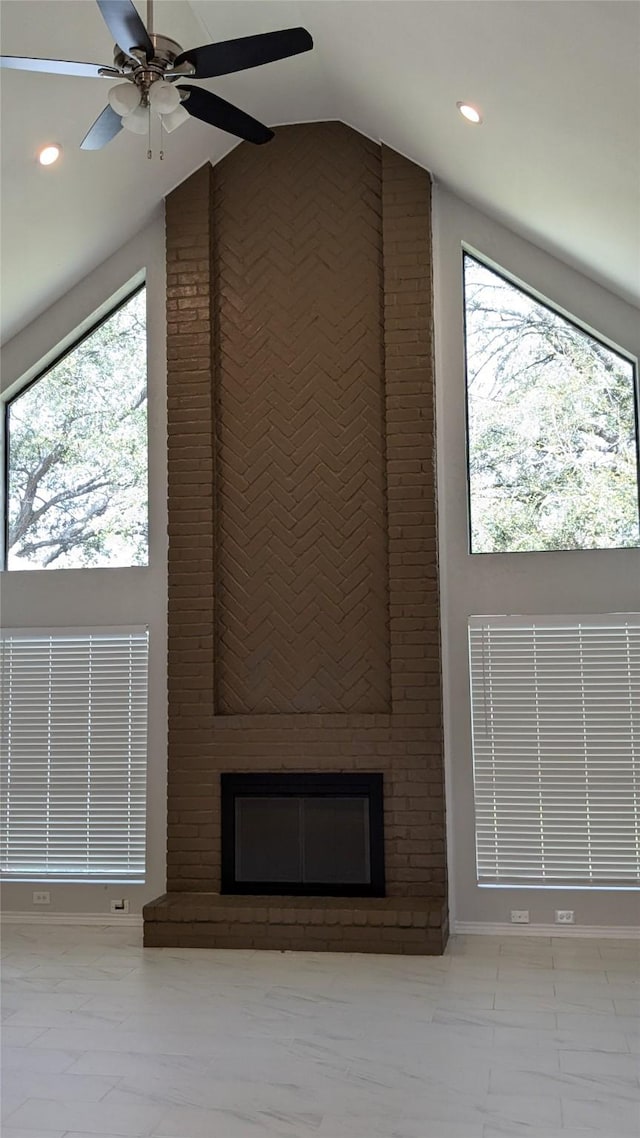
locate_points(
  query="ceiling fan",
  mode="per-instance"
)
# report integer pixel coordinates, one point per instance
(151, 65)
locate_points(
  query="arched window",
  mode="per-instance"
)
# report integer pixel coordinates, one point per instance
(552, 425)
(76, 465)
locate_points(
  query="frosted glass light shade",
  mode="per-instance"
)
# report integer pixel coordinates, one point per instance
(164, 98)
(137, 121)
(124, 98)
(174, 119)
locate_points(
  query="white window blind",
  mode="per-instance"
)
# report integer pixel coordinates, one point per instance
(73, 753)
(556, 749)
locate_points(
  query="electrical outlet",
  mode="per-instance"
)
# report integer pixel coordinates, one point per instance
(121, 906)
(41, 898)
(519, 916)
(565, 917)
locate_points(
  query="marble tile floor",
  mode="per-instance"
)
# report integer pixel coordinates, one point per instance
(497, 1039)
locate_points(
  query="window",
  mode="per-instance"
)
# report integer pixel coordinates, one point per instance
(76, 472)
(553, 459)
(73, 754)
(556, 749)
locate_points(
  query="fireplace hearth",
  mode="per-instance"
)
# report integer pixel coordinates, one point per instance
(303, 834)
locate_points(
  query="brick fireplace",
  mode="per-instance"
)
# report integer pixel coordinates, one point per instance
(303, 572)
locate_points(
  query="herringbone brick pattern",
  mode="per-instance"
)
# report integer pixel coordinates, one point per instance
(302, 581)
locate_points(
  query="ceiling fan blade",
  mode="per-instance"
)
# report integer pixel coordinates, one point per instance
(251, 51)
(125, 26)
(217, 112)
(57, 66)
(107, 126)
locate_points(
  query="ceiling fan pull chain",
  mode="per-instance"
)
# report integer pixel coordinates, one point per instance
(161, 140)
(149, 151)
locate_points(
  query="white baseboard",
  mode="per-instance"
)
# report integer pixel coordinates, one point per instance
(125, 920)
(468, 928)
(604, 932)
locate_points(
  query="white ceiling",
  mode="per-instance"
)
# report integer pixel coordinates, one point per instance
(557, 158)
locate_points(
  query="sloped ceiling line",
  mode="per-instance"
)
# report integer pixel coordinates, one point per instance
(557, 158)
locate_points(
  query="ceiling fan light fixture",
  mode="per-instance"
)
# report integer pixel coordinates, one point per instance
(49, 154)
(124, 98)
(175, 119)
(137, 121)
(469, 112)
(164, 98)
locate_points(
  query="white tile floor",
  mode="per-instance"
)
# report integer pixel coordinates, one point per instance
(498, 1038)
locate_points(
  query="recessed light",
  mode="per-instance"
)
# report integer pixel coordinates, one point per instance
(49, 154)
(470, 113)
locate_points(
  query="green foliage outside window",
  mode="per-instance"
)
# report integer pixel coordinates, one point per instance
(553, 461)
(77, 453)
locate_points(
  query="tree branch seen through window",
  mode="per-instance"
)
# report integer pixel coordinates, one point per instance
(77, 453)
(552, 426)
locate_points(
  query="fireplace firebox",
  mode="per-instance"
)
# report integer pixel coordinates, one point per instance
(309, 834)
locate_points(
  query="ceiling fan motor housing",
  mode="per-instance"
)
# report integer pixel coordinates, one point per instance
(144, 72)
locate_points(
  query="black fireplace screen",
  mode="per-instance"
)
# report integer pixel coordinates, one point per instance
(312, 834)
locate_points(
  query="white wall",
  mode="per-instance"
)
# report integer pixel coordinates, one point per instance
(90, 597)
(559, 582)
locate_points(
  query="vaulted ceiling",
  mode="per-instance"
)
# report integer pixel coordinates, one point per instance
(557, 157)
